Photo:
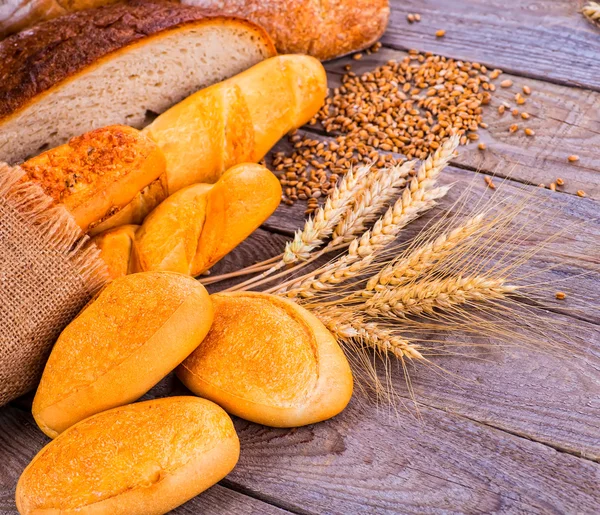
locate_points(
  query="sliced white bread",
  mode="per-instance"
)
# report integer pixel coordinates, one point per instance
(113, 65)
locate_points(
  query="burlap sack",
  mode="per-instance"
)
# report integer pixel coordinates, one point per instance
(48, 272)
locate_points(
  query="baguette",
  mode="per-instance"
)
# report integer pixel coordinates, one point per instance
(142, 459)
(269, 361)
(138, 329)
(195, 227)
(98, 173)
(113, 65)
(238, 120)
(322, 28)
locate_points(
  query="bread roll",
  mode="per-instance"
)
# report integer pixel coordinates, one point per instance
(114, 65)
(138, 329)
(116, 250)
(237, 120)
(270, 361)
(141, 459)
(195, 227)
(96, 174)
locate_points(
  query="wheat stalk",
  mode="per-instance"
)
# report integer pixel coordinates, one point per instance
(441, 294)
(380, 189)
(345, 328)
(320, 227)
(591, 11)
(422, 259)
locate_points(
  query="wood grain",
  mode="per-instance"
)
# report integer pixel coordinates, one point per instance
(565, 120)
(20, 441)
(363, 461)
(543, 39)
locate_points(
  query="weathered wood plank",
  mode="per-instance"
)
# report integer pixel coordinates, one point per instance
(20, 440)
(566, 121)
(366, 462)
(545, 39)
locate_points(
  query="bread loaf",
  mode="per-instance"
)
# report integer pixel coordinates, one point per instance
(113, 65)
(141, 459)
(270, 361)
(195, 227)
(238, 120)
(138, 329)
(98, 173)
(322, 28)
(116, 250)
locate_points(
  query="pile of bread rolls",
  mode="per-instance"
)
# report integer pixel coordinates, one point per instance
(255, 355)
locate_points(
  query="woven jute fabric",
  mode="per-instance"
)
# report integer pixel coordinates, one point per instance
(48, 272)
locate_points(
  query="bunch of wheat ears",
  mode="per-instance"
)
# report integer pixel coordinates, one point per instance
(378, 297)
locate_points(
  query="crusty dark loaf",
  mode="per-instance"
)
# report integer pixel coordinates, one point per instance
(175, 49)
(322, 28)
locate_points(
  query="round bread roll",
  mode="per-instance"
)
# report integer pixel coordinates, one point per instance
(144, 458)
(138, 329)
(269, 361)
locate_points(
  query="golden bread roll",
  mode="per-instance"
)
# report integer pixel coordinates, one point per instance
(96, 174)
(270, 361)
(141, 459)
(194, 228)
(116, 250)
(239, 119)
(138, 329)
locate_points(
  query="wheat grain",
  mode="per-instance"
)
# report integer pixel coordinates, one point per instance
(422, 259)
(318, 228)
(591, 11)
(442, 294)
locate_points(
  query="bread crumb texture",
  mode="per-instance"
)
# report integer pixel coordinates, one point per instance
(122, 449)
(270, 352)
(110, 329)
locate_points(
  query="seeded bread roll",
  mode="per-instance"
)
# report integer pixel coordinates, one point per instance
(195, 227)
(142, 459)
(98, 173)
(270, 361)
(114, 65)
(138, 329)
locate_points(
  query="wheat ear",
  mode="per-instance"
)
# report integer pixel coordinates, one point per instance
(320, 227)
(346, 328)
(591, 11)
(381, 188)
(423, 259)
(417, 197)
(442, 294)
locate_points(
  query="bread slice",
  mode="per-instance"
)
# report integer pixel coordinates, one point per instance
(113, 65)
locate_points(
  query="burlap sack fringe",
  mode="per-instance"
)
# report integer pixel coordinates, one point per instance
(48, 272)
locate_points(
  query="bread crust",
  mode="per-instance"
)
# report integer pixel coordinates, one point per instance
(241, 368)
(145, 458)
(98, 173)
(36, 61)
(322, 28)
(107, 357)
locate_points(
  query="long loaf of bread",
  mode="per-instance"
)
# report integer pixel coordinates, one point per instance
(194, 228)
(322, 28)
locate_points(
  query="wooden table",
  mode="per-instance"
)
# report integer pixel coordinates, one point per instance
(517, 432)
